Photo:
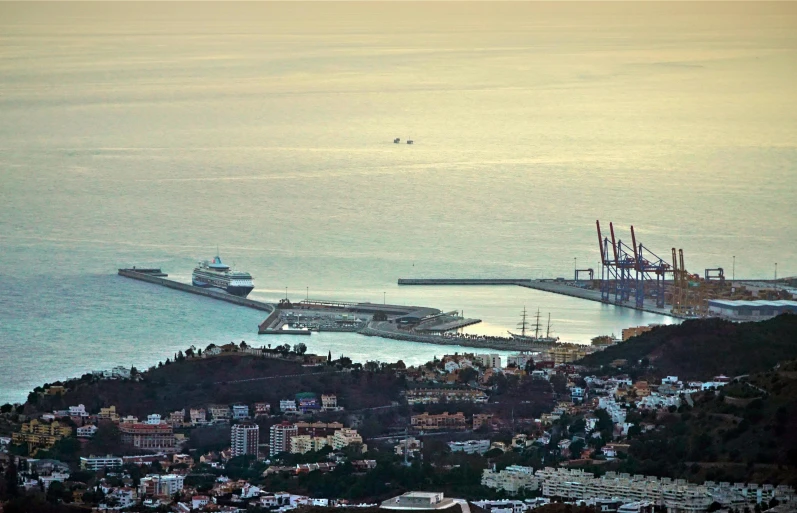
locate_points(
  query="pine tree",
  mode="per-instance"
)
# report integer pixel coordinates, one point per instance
(11, 480)
(329, 357)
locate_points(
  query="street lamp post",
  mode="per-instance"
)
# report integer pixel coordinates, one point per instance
(733, 272)
(776, 270)
(575, 269)
(384, 295)
(308, 294)
(286, 293)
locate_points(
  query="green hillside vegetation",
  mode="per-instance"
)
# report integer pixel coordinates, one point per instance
(197, 382)
(700, 349)
(746, 431)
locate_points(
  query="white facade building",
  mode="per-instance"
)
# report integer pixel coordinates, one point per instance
(470, 446)
(95, 463)
(512, 479)
(86, 431)
(244, 439)
(240, 412)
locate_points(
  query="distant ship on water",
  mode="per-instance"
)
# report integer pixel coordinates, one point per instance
(523, 325)
(218, 275)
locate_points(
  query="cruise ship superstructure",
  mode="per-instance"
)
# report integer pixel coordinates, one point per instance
(218, 275)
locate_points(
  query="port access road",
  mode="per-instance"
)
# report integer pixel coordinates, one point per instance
(565, 288)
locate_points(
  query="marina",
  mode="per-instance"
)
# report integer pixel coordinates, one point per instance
(397, 322)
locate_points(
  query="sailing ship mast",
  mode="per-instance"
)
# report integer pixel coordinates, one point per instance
(522, 324)
(537, 325)
(548, 330)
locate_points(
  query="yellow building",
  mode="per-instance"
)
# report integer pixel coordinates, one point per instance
(345, 437)
(108, 413)
(301, 444)
(565, 353)
(41, 435)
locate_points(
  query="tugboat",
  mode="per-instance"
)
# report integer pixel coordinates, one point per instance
(218, 275)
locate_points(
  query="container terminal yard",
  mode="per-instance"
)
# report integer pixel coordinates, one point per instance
(633, 276)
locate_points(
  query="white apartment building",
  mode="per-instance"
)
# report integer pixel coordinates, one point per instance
(153, 419)
(124, 497)
(219, 412)
(470, 446)
(95, 463)
(198, 416)
(614, 410)
(512, 479)
(677, 495)
(78, 411)
(86, 431)
(345, 437)
(280, 437)
(161, 485)
(244, 439)
(489, 360)
(519, 360)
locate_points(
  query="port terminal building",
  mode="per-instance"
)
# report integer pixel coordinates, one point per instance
(750, 310)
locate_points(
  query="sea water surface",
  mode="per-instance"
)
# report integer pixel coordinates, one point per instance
(151, 134)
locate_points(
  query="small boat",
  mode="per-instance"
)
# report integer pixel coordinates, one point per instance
(396, 140)
(409, 141)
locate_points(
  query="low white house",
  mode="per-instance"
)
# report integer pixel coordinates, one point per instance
(86, 431)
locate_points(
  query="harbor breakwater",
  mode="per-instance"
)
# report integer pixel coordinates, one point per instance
(176, 285)
(381, 329)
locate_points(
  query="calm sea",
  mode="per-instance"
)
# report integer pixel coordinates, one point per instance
(149, 134)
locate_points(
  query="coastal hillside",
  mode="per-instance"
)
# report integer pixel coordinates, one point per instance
(195, 382)
(700, 349)
(746, 432)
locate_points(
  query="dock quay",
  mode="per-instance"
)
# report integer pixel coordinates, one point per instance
(156, 279)
(388, 330)
(409, 323)
(553, 286)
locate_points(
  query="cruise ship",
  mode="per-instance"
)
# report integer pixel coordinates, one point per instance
(216, 274)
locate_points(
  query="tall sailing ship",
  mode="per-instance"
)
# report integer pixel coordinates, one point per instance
(218, 275)
(524, 325)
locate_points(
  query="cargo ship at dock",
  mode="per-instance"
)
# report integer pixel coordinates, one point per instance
(218, 275)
